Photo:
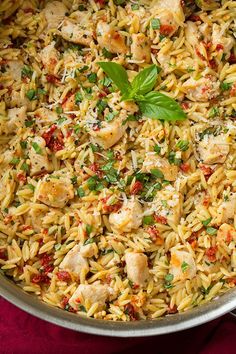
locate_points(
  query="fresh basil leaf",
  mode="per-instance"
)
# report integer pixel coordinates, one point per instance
(155, 105)
(118, 74)
(144, 81)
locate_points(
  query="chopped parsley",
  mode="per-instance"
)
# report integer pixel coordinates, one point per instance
(80, 192)
(155, 24)
(206, 222)
(211, 230)
(92, 78)
(37, 148)
(184, 266)
(183, 145)
(148, 220)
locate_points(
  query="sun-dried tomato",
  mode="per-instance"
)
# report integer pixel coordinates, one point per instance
(63, 276)
(110, 208)
(211, 253)
(136, 188)
(129, 310)
(160, 219)
(3, 254)
(185, 167)
(165, 30)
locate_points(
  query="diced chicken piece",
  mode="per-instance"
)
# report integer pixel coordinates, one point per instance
(74, 262)
(173, 5)
(110, 39)
(192, 34)
(55, 192)
(14, 68)
(168, 204)
(45, 115)
(37, 213)
(226, 233)
(218, 37)
(38, 157)
(54, 13)
(109, 134)
(164, 60)
(93, 293)
(128, 218)
(140, 48)
(50, 57)
(89, 250)
(137, 267)
(202, 90)
(213, 149)
(16, 118)
(153, 161)
(182, 265)
(74, 33)
(227, 210)
(18, 101)
(233, 259)
(129, 106)
(168, 24)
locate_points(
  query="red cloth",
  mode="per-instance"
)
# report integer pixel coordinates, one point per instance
(23, 333)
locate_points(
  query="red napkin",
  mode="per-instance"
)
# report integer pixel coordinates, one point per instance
(23, 333)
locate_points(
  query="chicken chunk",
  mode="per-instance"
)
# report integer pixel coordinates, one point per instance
(16, 118)
(137, 267)
(55, 192)
(153, 162)
(38, 157)
(140, 48)
(14, 68)
(226, 233)
(168, 204)
(202, 90)
(213, 149)
(182, 265)
(74, 262)
(74, 33)
(93, 293)
(129, 106)
(227, 209)
(109, 134)
(45, 115)
(89, 250)
(128, 218)
(50, 57)
(54, 13)
(110, 39)
(192, 34)
(218, 37)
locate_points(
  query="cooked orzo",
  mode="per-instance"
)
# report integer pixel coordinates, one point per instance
(118, 154)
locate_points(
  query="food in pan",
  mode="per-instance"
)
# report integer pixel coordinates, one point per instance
(118, 154)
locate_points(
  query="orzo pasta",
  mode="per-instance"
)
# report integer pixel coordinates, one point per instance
(117, 207)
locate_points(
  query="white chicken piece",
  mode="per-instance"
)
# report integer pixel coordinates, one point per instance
(218, 37)
(140, 48)
(213, 149)
(54, 13)
(37, 213)
(45, 115)
(109, 134)
(168, 203)
(50, 57)
(192, 34)
(14, 69)
(129, 106)
(172, 5)
(93, 293)
(202, 90)
(74, 262)
(74, 33)
(110, 39)
(182, 265)
(18, 101)
(152, 161)
(128, 218)
(137, 267)
(38, 157)
(227, 209)
(89, 250)
(54, 191)
(226, 233)
(16, 118)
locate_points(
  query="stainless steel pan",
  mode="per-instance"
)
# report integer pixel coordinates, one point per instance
(169, 324)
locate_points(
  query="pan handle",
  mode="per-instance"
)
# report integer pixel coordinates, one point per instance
(233, 313)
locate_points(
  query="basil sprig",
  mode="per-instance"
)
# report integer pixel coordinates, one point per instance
(152, 104)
